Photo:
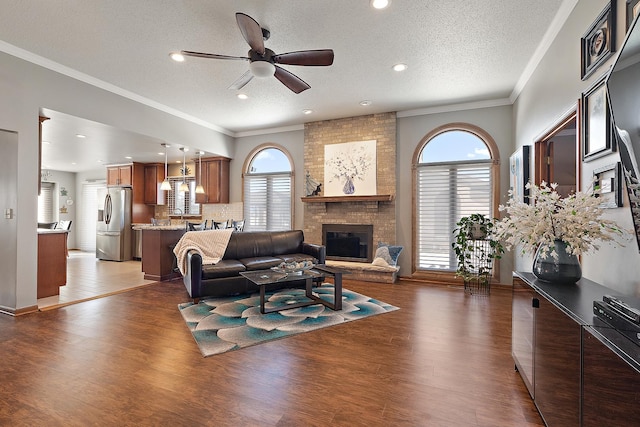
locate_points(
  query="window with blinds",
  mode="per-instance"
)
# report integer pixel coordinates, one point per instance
(447, 192)
(268, 187)
(183, 202)
(454, 178)
(267, 202)
(46, 201)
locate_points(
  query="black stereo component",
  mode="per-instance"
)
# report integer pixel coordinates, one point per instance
(618, 320)
(631, 313)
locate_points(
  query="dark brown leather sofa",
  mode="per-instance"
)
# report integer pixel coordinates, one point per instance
(248, 251)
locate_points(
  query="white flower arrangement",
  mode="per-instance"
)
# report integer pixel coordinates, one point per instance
(350, 165)
(576, 220)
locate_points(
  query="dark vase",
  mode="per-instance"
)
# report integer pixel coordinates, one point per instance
(563, 269)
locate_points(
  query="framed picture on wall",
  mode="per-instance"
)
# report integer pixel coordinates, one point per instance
(596, 127)
(607, 182)
(599, 42)
(519, 174)
(633, 9)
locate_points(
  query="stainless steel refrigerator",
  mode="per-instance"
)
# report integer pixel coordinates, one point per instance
(113, 230)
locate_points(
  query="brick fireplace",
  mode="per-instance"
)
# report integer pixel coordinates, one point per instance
(379, 212)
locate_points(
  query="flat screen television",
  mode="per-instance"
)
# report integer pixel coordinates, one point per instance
(623, 86)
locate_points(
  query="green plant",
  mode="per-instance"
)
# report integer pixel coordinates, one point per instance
(475, 247)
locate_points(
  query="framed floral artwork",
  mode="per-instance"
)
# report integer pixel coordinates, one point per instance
(519, 174)
(596, 127)
(350, 169)
(599, 42)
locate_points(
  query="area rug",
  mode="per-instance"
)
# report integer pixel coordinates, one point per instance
(223, 324)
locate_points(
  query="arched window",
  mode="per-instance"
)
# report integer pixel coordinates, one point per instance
(268, 187)
(456, 175)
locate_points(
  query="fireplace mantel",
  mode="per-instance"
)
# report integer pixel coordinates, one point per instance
(348, 199)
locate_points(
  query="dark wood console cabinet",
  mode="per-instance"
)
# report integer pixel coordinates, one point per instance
(578, 370)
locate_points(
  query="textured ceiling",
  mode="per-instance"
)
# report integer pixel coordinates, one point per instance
(457, 52)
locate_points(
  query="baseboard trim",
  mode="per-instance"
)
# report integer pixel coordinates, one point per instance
(18, 312)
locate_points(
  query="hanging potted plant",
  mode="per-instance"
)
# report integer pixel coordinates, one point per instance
(475, 250)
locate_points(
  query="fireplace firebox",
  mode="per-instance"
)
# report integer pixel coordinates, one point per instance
(348, 242)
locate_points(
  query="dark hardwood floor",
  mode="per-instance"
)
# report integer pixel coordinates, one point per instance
(443, 359)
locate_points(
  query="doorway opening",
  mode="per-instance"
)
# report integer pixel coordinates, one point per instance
(556, 155)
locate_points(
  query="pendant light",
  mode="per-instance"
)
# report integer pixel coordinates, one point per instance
(184, 186)
(166, 185)
(199, 187)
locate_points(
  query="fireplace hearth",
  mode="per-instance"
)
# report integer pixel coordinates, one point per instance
(348, 242)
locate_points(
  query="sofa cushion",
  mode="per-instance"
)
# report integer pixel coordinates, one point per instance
(298, 258)
(260, 263)
(224, 268)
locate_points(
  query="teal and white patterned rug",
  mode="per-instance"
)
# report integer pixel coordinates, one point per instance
(223, 324)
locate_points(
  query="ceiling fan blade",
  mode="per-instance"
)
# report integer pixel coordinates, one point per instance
(241, 81)
(211, 55)
(251, 32)
(321, 57)
(290, 80)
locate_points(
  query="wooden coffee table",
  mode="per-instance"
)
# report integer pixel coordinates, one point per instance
(263, 278)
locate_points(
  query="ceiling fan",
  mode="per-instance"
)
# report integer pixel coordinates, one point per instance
(263, 62)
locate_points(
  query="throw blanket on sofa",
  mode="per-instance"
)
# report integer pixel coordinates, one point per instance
(210, 244)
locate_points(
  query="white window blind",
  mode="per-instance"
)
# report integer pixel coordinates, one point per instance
(445, 193)
(267, 202)
(185, 201)
(46, 208)
(87, 216)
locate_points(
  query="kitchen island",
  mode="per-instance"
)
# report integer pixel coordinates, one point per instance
(52, 261)
(157, 250)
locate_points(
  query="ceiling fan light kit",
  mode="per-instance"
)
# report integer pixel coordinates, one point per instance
(264, 62)
(262, 69)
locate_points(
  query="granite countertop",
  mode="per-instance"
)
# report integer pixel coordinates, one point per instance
(157, 227)
(51, 231)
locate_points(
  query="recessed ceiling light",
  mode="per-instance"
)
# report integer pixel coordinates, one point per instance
(177, 56)
(128, 157)
(79, 135)
(307, 111)
(400, 67)
(365, 103)
(380, 4)
(242, 96)
(73, 163)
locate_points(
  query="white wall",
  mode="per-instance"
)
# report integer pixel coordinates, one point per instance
(553, 88)
(26, 89)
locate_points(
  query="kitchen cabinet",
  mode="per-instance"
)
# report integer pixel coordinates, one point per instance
(215, 180)
(119, 175)
(579, 370)
(158, 259)
(52, 262)
(153, 177)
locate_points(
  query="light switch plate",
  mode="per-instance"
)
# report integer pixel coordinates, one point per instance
(8, 213)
